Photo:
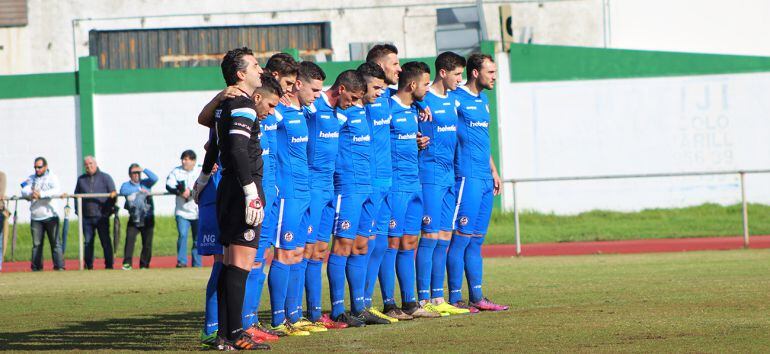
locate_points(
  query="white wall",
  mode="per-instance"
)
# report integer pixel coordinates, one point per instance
(708, 26)
(151, 129)
(57, 32)
(628, 126)
(33, 127)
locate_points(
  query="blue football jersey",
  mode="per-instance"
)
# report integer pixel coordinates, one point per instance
(352, 172)
(403, 146)
(378, 115)
(472, 157)
(322, 146)
(268, 143)
(293, 177)
(437, 160)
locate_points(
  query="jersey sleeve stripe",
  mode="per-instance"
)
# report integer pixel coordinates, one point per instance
(244, 112)
(240, 132)
(342, 118)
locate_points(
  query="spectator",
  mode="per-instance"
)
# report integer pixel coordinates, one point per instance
(39, 188)
(3, 217)
(179, 182)
(140, 214)
(96, 211)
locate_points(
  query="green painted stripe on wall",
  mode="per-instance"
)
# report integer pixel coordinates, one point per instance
(38, 85)
(529, 63)
(88, 68)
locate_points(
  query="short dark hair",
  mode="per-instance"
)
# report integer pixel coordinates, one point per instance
(132, 166)
(412, 71)
(40, 158)
(283, 64)
(380, 50)
(370, 69)
(475, 60)
(188, 154)
(352, 80)
(270, 85)
(233, 62)
(309, 70)
(449, 61)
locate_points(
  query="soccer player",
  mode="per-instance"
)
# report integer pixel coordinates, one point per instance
(477, 183)
(292, 208)
(405, 197)
(324, 126)
(437, 176)
(239, 194)
(378, 113)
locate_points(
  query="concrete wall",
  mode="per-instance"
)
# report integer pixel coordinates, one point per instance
(629, 126)
(57, 32)
(33, 127)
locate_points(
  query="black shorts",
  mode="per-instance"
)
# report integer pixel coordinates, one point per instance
(231, 214)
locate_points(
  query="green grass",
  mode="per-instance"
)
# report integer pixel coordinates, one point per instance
(698, 221)
(672, 302)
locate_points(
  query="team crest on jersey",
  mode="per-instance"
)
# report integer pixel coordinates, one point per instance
(426, 220)
(464, 221)
(392, 223)
(310, 229)
(249, 235)
(288, 236)
(344, 225)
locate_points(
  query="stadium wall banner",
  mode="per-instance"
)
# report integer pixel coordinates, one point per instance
(569, 111)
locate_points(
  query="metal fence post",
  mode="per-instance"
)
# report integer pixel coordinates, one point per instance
(516, 221)
(745, 211)
(80, 231)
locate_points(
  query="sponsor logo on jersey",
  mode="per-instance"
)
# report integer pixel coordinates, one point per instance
(249, 235)
(355, 121)
(446, 104)
(344, 225)
(464, 221)
(299, 139)
(440, 111)
(273, 126)
(478, 100)
(392, 224)
(325, 116)
(376, 104)
(399, 120)
(426, 220)
(329, 135)
(241, 125)
(446, 128)
(265, 151)
(384, 121)
(471, 108)
(218, 114)
(294, 121)
(479, 124)
(288, 236)
(361, 139)
(407, 136)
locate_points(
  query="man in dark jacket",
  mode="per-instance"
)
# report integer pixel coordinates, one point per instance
(96, 211)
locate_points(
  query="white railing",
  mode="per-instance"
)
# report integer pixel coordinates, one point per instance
(741, 173)
(79, 202)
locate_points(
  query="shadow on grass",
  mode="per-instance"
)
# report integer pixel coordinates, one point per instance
(171, 331)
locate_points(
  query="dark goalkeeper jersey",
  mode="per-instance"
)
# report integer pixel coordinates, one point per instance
(238, 132)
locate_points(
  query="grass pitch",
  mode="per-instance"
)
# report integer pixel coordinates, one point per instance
(675, 302)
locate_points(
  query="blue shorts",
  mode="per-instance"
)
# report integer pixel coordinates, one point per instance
(293, 222)
(354, 215)
(208, 227)
(380, 210)
(405, 213)
(267, 236)
(475, 199)
(439, 204)
(321, 215)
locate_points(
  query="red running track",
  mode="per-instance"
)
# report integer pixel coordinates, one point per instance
(532, 249)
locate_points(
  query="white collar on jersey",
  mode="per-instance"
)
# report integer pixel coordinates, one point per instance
(433, 91)
(325, 98)
(466, 89)
(398, 100)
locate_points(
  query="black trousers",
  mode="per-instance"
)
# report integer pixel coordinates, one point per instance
(147, 231)
(92, 226)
